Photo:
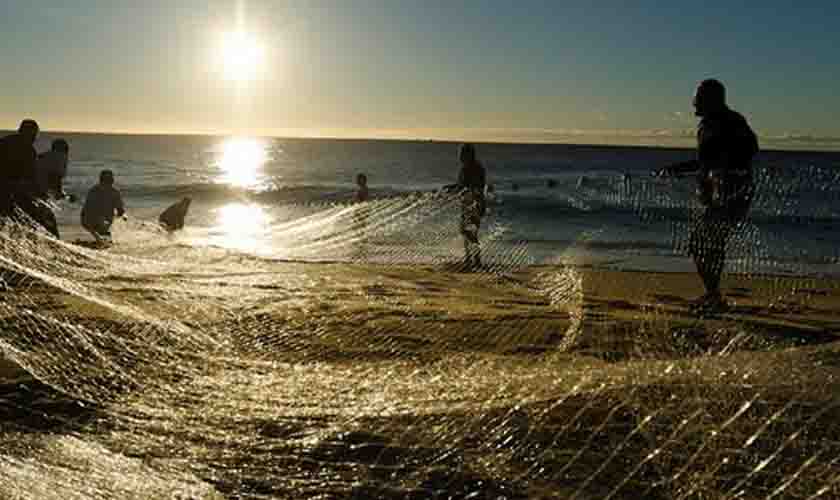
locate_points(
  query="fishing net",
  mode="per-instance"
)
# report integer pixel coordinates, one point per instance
(352, 364)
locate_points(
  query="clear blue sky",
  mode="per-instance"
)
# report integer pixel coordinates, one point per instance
(527, 70)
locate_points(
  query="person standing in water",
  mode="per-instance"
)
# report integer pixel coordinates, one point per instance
(362, 193)
(726, 146)
(360, 217)
(17, 167)
(49, 173)
(20, 188)
(471, 181)
(50, 170)
(101, 203)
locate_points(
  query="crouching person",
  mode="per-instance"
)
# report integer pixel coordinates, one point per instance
(101, 203)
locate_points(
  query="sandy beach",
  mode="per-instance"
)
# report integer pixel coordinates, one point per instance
(263, 250)
(397, 381)
(345, 313)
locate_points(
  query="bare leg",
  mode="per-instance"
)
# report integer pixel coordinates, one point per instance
(708, 249)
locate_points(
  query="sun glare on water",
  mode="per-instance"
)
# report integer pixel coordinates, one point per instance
(242, 160)
(243, 226)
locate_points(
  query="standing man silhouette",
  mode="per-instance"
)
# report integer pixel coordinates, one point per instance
(726, 146)
(17, 167)
(471, 181)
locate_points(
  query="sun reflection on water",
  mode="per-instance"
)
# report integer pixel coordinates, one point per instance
(242, 160)
(243, 226)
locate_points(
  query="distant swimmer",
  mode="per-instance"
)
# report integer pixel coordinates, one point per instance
(172, 219)
(551, 184)
(726, 146)
(471, 181)
(362, 193)
(102, 201)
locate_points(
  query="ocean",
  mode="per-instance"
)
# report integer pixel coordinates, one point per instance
(291, 343)
(290, 199)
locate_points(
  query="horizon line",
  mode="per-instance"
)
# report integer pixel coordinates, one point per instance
(682, 139)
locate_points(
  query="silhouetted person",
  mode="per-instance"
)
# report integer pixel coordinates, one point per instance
(360, 217)
(17, 166)
(726, 146)
(50, 170)
(471, 181)
(362, 194)
(102, 201)
(19, 187)
(172, 219)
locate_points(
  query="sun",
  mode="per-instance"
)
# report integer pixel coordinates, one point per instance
(243, 56)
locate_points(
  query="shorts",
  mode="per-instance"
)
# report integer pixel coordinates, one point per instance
(715, 226)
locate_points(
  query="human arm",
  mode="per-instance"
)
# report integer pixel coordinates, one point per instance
(678, 169)
(118, 204)
(59, 181)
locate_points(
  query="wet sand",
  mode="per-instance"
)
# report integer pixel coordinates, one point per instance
(409, 382)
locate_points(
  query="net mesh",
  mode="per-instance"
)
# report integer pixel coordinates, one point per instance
(159, 370)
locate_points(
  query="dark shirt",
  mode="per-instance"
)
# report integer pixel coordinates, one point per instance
(17, 162)
(473, 177)
(101, 203)
(174, 216)
(726, 145)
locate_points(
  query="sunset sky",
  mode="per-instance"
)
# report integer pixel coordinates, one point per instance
(492, 70)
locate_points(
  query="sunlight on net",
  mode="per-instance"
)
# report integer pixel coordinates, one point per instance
(241, 161)
(243, 226)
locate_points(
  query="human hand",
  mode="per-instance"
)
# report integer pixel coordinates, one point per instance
(662, 172)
